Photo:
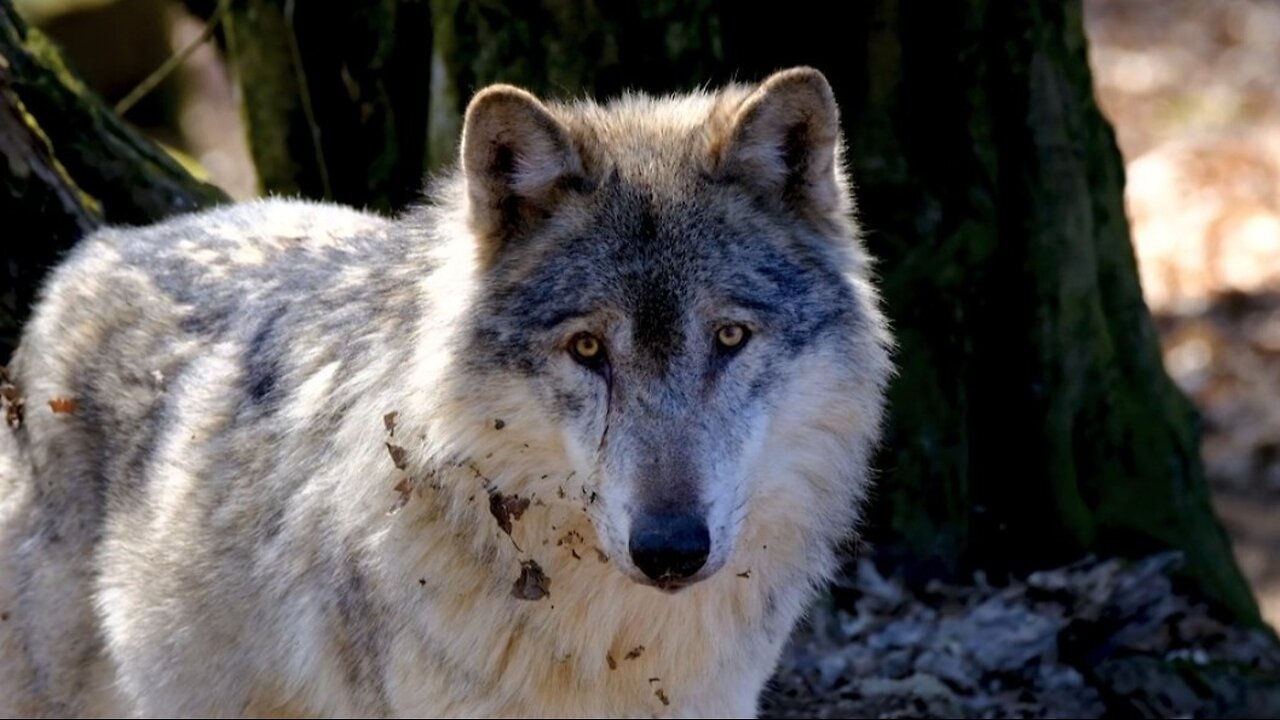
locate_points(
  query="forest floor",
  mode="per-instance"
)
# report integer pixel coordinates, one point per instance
(1100, 638)
(1192, 88)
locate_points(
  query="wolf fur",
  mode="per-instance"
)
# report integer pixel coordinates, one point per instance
(270, 452)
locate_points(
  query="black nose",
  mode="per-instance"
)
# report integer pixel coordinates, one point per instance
(670, 547)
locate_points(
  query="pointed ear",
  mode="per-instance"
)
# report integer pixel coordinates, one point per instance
(517, 159)
(784, 143)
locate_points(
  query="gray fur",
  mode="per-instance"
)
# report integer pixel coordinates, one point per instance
(226, 524)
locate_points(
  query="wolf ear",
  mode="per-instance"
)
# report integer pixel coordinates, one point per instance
(784, 142)
(517, 160)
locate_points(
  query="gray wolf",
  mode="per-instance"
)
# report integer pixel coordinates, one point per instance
(579, 435)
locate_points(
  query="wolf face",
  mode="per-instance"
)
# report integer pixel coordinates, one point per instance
(657, 273)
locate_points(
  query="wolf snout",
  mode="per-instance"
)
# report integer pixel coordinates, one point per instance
(669, 548)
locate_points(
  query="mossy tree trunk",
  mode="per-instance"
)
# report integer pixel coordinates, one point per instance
(335, 96)
(67, 165)
(1033, 420)
(564, 48)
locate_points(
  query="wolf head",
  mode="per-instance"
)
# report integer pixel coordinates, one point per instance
(676, 284)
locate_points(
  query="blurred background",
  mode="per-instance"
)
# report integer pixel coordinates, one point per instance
(1193, 91)
(1192, 88)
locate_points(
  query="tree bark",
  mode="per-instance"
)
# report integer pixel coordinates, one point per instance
(335, 96)
(70, 165)
(1034, 412)
(561, 48)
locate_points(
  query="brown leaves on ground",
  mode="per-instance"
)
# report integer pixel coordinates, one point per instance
(1226, 358)
(1096, 638)
(389, 422)
(533, 584)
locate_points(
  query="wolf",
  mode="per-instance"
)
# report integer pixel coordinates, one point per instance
(580, 434)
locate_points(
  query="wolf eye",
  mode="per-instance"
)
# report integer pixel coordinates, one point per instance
(731, 337)
(587, 349)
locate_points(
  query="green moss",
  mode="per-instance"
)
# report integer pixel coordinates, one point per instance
(46, 52)
(87, 201)
(268, 82)
(444, 119)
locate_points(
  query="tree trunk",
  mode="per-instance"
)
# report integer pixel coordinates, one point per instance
(1033, 420)
(562, 48)
(335, 96)
(69, 165)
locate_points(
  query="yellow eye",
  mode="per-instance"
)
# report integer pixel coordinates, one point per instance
(586, 348)
(731, 337)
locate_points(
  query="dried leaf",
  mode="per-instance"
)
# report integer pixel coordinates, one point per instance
(398, 456)
(499, 424)
(533, 584)
(662, 696)
(12, 400)
(405, 488)
(506, 509)
(485, 482)
(389, 422)
(636, 652)
(62, 405)
(13, 414)
(613, 664)
(573, 537)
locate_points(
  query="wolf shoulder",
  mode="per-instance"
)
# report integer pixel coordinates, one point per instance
(225, 241)
(198, 274)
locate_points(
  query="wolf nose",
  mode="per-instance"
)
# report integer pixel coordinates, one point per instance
(670, 547)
